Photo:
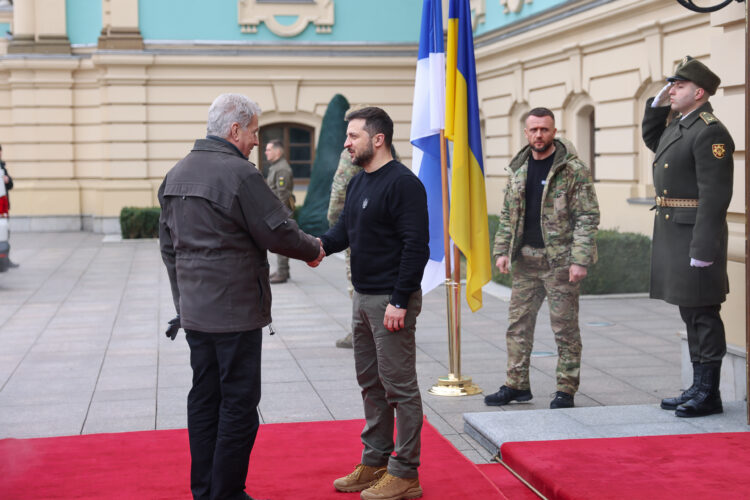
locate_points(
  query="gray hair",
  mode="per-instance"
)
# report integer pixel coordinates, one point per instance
(227, 109)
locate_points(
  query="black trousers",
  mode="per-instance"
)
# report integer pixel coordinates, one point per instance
(222, 411)
(705, 332)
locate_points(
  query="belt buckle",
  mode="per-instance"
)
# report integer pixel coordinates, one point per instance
(659, 201)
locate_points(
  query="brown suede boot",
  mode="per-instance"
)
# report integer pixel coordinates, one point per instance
(363, 477)
(391, 487)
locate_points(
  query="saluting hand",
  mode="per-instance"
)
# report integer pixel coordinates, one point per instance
(662, 98)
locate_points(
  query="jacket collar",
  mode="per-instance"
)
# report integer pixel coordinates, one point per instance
(218, 145)
(564, 151)
(696, 114)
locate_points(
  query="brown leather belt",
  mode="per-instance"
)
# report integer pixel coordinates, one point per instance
(676, 202)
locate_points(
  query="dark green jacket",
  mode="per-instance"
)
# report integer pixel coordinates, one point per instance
(281, 182)
(693, 159)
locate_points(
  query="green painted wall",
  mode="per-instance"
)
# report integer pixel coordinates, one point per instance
(381, 21)
(356, 21)
(495, 17)
(84, 21)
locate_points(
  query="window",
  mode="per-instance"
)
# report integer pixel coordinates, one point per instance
(298, 147)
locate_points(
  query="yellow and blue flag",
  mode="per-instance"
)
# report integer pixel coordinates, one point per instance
(468, 219)
(428, 119)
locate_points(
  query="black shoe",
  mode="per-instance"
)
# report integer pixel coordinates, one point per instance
(507, 394)
(562, 400)
(690, 393)
(708, 399)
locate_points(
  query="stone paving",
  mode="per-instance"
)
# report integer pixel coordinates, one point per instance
(82, 348)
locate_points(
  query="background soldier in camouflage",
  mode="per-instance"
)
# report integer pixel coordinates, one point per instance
(547, 227)
(281, 182)
(344, 173)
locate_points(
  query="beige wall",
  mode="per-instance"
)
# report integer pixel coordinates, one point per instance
(90, 135)
(87, 134)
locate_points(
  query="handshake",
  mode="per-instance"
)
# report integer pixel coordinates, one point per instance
(319, 259)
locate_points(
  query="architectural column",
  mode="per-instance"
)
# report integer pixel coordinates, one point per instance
(120, 29)
(39, 28)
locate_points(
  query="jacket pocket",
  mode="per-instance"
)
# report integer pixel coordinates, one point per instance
(210, 193)
(277, 217)
(684, 215)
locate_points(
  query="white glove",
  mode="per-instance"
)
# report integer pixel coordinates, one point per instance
(662, 98)
(699, 263)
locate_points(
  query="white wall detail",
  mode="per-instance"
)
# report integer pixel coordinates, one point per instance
(253, 12)
(514, 5)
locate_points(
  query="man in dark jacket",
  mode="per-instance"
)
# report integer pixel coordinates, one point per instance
(217, 222)
(693, 171)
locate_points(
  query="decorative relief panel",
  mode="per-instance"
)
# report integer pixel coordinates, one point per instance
(253, 12)
(478, 13)
(513, 5)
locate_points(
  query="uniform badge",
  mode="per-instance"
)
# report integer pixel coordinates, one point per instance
(281, 182)
(718, 150)
(364, 203)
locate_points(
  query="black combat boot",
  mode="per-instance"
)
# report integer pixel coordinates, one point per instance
(708, 399)
(673, 403)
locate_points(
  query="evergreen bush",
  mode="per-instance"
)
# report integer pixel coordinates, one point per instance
(312, 216)
(139, 222)
(624, 264)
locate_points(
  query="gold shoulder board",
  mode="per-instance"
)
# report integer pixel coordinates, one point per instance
(708, 118)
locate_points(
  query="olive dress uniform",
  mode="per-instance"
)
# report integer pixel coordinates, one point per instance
(693, 170)
(281, 182)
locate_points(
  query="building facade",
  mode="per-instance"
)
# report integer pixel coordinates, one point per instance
(99, 98)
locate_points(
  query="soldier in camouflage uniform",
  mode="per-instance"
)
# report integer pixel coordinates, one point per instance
(547, 227)
(281, 182)
(344, 173)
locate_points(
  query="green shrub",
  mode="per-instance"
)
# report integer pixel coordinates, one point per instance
(624, 263)
(139, 222)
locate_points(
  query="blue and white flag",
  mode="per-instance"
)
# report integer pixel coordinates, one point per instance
(428, 118)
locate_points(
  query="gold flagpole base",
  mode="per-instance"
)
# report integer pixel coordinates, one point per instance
(455, 386)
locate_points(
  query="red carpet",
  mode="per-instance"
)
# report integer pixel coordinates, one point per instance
(696, 466)
(509, 484)
(289, 461)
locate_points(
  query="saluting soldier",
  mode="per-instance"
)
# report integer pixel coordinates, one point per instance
(693, 170)
(281, 182)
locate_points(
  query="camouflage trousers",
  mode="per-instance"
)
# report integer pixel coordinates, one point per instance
(282, 265)
(533, 279)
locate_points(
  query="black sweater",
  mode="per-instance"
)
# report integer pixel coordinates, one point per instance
(385, 223)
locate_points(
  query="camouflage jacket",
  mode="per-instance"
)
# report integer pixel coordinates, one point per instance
(570, 211)
(344, 173)
(281, 182)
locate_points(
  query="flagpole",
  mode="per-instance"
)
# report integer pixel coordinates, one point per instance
(454, 384)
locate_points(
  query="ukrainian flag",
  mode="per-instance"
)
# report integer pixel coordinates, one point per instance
(468, 219)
